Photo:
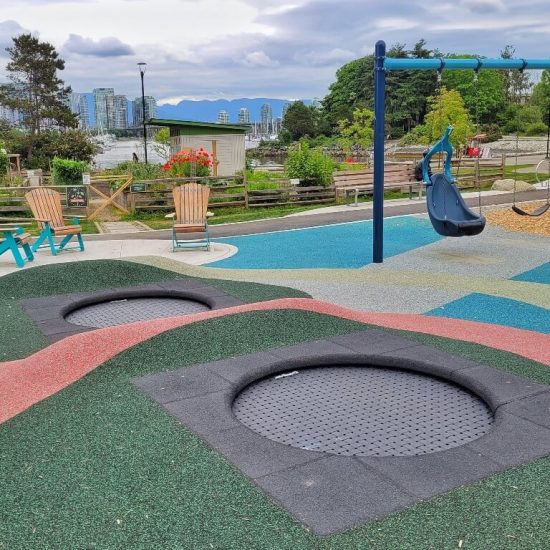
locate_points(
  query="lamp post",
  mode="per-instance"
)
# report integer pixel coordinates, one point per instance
(142, 67)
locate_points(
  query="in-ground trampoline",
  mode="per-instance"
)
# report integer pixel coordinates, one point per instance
(349, 429)
(64, 315)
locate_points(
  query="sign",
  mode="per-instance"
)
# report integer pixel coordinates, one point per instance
(86, 179)
(294, 181)
(77, 197)
(138, 187)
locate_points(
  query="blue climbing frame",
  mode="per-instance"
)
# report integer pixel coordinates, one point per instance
(383, 64)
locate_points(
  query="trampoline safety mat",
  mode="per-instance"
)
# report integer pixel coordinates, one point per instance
(131, 310)
(363, 411)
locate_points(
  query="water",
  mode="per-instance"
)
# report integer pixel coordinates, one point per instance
(122, 150)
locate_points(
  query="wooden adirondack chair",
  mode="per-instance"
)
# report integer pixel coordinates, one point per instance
(46, 208)
(13, 238)
(191, 202)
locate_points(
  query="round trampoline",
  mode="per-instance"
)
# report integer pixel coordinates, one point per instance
(130, 310)
(363, 411)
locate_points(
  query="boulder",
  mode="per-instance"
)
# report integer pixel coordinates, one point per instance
(510, 185)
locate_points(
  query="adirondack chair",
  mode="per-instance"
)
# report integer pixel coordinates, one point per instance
(13, 237)
(191, 202)
(46, 208)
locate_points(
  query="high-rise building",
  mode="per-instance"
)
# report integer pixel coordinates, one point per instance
(223, 117)
(266, 115)
(78, 103)
(120, 112)
(244, 115)
(84, 111)
(150, 110)
(104, 101)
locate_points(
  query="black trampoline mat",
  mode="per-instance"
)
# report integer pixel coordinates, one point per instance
(131, 310)
(362, 411)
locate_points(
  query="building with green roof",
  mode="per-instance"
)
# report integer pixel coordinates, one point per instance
(225, 142)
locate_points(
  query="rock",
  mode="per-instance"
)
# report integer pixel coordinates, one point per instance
(510, 185)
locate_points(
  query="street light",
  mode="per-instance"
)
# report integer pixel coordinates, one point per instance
(142, 67)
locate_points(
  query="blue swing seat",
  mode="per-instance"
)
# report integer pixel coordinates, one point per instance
(449, 214)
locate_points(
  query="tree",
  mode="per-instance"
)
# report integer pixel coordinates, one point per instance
(515, 82)
(353, 89)
(541, 94)
(299, 120)
(443, 111)
(487, 98)
(359, 131)
(161, 143)
(35, 89)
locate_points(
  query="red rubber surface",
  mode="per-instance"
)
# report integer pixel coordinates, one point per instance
(25, 382)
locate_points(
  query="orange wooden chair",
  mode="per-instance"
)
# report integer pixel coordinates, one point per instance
(46, 208)
(190, 217)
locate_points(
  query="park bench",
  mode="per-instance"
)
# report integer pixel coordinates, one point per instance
(396, 176)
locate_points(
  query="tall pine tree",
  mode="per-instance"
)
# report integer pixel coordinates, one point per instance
(36, 90)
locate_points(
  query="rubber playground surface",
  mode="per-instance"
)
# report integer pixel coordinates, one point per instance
(89, 461)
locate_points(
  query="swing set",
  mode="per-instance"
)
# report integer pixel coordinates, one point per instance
(449, 214)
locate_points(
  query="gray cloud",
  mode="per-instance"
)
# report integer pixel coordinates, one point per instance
(308, 42)
(104, 47)
(9, 30)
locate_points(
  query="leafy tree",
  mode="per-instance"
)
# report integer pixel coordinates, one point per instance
(72, 144)
(515, 82)
(445, 110)
(487, 98)
(35, 88)
(353, 89)
(300, 120)
(541, 94)
(359, 131)
(161, 143)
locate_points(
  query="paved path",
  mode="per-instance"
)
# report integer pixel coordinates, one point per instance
(330, 215)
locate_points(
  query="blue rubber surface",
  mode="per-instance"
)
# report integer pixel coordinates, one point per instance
(337, 246)
(500, 311)
(540, 274)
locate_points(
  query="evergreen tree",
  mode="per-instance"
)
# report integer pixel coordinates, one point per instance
(516, 82)
(36, 90)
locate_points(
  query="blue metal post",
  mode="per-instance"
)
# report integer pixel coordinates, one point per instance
(379, 130)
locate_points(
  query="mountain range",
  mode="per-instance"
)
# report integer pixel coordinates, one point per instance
(207, 110)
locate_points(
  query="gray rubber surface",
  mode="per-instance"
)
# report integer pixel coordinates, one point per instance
(120, 312)
(363, 411)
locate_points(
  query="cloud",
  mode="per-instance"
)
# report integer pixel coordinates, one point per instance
(259, 59)
(8, 30)
(484, 6)
(104, 47)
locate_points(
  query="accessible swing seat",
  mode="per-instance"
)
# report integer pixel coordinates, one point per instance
(449, 214)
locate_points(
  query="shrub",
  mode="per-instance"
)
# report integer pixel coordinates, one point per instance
(536, 129)
(492, 131)
(68, 172)
(181, 164)
(311, 166)
(3, 164)
(139, 170)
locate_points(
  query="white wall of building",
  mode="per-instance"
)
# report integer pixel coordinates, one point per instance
(230, 150)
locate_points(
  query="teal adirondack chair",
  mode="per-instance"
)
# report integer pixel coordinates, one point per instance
(46, 208)
(13, 238)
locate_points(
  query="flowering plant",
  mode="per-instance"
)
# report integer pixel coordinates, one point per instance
(180, 164)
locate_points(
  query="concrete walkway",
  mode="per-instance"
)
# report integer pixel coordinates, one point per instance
(118, 249)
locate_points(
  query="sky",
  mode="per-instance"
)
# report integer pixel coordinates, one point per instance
(225, 49)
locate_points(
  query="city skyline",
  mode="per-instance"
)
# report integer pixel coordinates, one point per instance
(253, 48)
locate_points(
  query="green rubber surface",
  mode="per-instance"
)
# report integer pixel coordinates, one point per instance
(19, 337)
(101, 466)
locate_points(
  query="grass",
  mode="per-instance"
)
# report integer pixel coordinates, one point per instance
(99, 465)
